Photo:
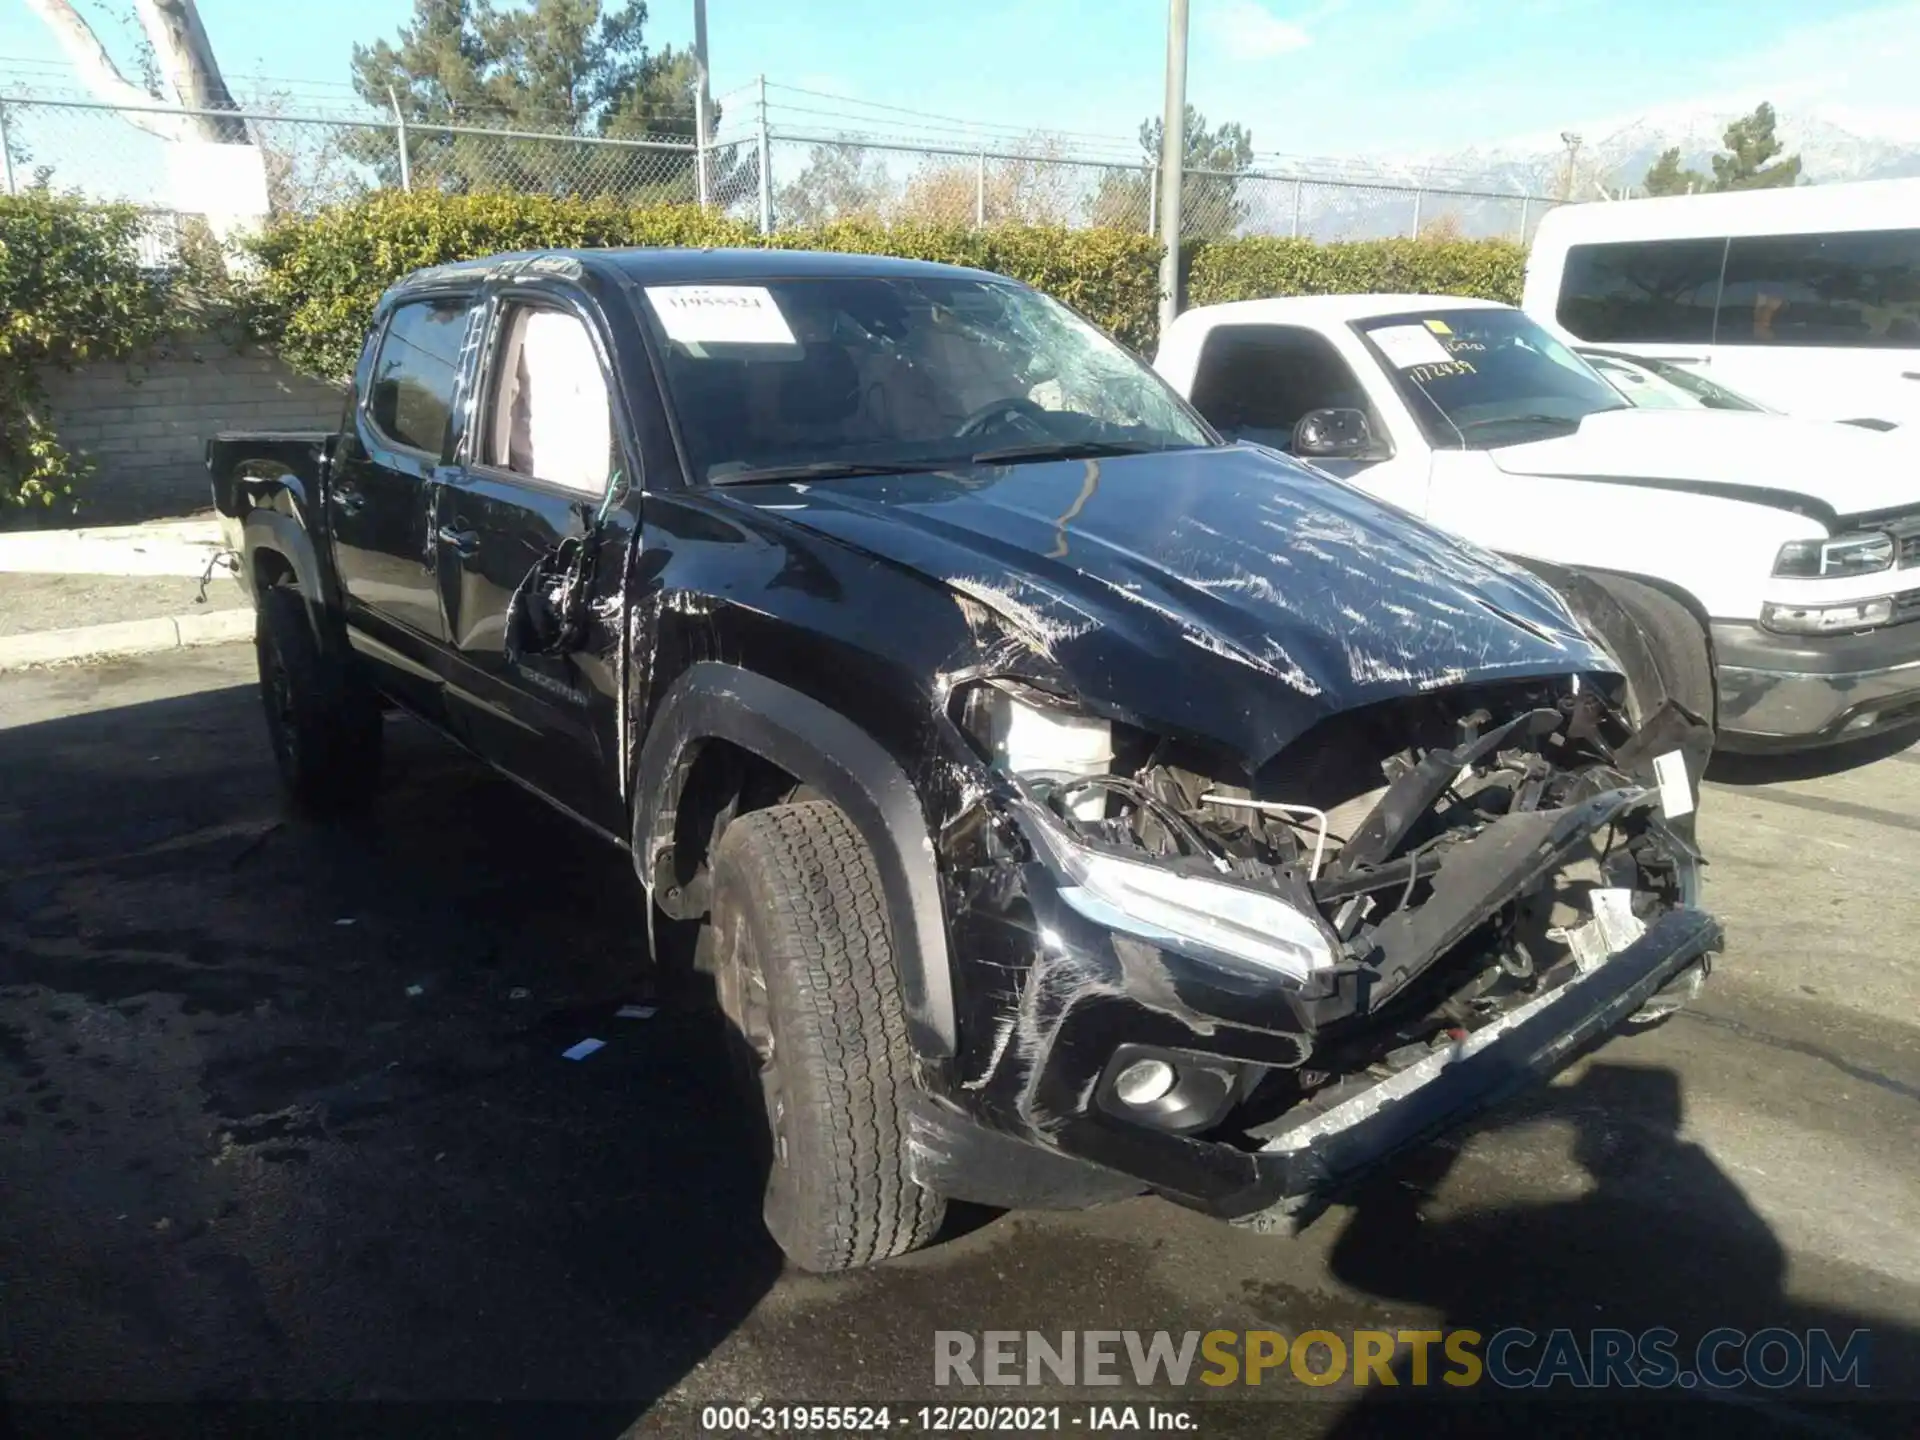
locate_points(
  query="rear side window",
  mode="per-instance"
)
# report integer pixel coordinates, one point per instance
(413, 375)
(1254, 382)
(1855, 291)
(1647, 290)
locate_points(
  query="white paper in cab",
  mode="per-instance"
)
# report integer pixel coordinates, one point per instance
(1408, 345)
(720, 314)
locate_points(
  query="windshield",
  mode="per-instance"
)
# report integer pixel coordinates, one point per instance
(840, 375)
(1660, 385)
(1487, 377)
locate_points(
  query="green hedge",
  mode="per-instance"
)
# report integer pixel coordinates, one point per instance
(71, 290)
(319, 277)
(1254, 269)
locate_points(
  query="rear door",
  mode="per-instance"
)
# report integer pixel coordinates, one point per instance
(1824, 325)
(379, 494)
(541, 467)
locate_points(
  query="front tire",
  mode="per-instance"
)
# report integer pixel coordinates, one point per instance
(805, 971)
(322, 719)
(1675, 642)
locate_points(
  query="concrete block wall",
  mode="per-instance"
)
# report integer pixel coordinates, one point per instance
(145, 422)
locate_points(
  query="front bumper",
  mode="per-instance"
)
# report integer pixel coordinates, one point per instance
(1035, 1117)
(1787, 692)
(1092, 1156)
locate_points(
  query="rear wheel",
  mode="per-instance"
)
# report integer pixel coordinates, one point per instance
(322, 719)
(803, 963)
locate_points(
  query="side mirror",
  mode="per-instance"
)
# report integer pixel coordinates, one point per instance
(1333, 435)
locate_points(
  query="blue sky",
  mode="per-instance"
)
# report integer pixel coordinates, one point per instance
(1309, 77)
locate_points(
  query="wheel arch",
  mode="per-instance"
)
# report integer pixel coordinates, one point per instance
(276, 546)
(836, 759)
(1594, 598)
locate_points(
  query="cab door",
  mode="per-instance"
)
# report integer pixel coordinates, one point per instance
(1255, 382)
(528, 515)
(380, 495)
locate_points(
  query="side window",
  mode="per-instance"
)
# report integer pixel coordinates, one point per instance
(547, 408)
(1858, 290)
(1254, 382)
(1647, 290)
(413, 375)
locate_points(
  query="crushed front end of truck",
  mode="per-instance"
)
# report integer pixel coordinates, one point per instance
(1240, 996)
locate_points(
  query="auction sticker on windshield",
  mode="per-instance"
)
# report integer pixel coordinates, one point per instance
(1408, 345)
(720, 314)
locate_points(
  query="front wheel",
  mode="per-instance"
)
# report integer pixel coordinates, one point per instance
(1677, 646)
(805, 970)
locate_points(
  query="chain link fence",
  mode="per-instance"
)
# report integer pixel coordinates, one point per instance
(307, 161)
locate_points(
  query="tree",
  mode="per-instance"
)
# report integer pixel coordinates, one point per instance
(1033, 191)
(569, 68)
(1666, 177)
(1210, 203)
(1749, 163)
(183, 57)
(838, 182)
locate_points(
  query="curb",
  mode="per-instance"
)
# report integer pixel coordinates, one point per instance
(124, 637)
(173, 547)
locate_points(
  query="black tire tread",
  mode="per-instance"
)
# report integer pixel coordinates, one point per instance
(337, 715)
(1676, 640)
(814, 899)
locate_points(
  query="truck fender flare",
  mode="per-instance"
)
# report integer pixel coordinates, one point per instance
(825, 750)
(1595, 604)
(265, 529)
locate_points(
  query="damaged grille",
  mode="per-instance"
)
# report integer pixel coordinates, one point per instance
(1463, 855)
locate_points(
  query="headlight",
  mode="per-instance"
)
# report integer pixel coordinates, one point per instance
(1169, 908)
(1824, 619)
(1027, 731)
(1842, 555)
(1165, 907)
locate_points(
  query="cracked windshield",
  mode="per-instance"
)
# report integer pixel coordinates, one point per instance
(821, 377)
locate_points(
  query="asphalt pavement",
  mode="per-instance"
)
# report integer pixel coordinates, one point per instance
(284, 1117)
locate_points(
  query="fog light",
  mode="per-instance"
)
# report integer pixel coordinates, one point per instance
(1144, 1081)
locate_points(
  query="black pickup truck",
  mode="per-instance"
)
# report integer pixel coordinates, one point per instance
(1076, 805)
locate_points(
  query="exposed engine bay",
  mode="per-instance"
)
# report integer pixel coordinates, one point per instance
(1442, 861)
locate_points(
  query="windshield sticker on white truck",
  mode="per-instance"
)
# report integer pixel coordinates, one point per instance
(720, 314)
(1406, 346)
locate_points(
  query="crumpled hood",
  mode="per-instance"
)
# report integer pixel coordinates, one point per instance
(1228, 593)
(1830, 469)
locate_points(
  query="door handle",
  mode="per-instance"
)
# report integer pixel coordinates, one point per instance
(1910, 374)
(350, 501)
(463, 542)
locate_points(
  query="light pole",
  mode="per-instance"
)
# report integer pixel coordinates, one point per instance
(1173, 147)
(702, 103)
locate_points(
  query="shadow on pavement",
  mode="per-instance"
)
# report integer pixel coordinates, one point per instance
(1664, 1238)
(1730, 769)
(284, 1109)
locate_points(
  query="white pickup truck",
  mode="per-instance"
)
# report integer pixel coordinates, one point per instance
(1772, 565)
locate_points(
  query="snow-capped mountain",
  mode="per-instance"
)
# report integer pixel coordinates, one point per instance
(1613, 157)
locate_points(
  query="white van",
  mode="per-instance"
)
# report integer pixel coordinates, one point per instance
(1806, 299)
(1762, 570)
